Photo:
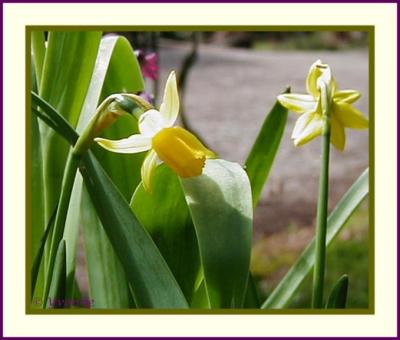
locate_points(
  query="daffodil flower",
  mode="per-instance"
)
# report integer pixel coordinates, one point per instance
(342, 114)
(175, 146)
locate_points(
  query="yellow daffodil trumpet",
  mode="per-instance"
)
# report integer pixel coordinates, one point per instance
(173, 145)
(311, 108)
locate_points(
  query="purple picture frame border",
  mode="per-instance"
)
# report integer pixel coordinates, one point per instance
(209, 2)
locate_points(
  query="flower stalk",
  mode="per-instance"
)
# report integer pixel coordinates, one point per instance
(322, 208)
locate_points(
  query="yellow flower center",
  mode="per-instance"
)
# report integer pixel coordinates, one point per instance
(181, 151)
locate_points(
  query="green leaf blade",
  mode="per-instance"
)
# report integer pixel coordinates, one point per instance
(116, 70)
(220, 204)
(108, 285)
(261, 157)
(165, 215)
(58, 283)
(152, 282)
(338, 296)
(67, 70)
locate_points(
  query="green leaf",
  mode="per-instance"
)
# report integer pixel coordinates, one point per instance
(49, 115)
(108, 285)
(200, 298)
(220, 204)
(58, 282)
(151, 280)
(338, 296)
(38, 256)
(285, 290)
(38, 52)
(36, 199)
(116, 70)
(252, 299)
(67, 70)
(165, 215)
(71, 231)
(262, 154)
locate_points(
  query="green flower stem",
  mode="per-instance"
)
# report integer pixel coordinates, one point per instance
(322, 210)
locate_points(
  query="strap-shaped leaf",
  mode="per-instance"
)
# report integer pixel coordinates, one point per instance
(220, 204)
(67, 70)
(171, 227)
(108, 284)
(261, 157)
(49, 115)
(338, 296)
(285, 290)
(38, 256)
(116, 70)
(58, 283)
(36, 195)
(152, 282)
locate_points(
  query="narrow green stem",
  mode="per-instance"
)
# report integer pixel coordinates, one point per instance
(322, 210)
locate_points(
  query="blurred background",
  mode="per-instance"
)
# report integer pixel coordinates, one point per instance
(228, 82)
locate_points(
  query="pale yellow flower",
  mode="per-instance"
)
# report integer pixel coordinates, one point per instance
(342, 114)
(174, 145)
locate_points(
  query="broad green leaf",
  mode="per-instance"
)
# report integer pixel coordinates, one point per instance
(152, 282)
(38, 52)
(67, 70)
(261, 157)
(285, 290)
(58, 283)
(338, 296)
(165, 215)
(220, 205)
(108, 285)
(116, 70)
(70, 234)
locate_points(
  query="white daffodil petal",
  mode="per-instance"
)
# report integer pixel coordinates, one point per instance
(349, 116)
(346, 96)
(151, 122)
(148, 167)
(298, 103)
(132, 144)
(301, 123)
(310, 131)
(338, 137)
(170, 105)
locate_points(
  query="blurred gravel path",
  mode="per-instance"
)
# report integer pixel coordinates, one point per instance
(228, 94)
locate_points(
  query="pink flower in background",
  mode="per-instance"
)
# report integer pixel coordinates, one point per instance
(148, 64)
